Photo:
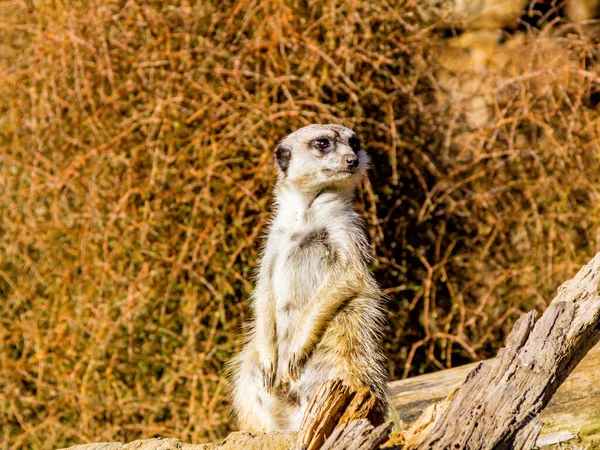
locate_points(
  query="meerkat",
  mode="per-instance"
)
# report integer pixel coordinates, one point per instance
(318, 312)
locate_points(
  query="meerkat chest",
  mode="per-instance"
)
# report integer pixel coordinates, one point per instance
(306, 256)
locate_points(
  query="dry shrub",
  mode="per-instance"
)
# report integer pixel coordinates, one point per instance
(135, 171)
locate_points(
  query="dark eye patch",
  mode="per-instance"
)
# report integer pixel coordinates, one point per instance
(354, 143)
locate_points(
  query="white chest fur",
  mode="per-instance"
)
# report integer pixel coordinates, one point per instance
(308, 239)
(300, 265)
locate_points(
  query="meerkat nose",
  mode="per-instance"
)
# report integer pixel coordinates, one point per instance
(351, 161)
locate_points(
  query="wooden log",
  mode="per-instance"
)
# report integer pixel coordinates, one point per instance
(498, 405)
(322, 415)
(364, 405)
(358, 435)
(335, 405)
(573, 412)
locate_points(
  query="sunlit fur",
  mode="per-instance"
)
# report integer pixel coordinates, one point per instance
(318, 311)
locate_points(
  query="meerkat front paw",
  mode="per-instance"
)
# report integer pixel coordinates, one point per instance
(296, 364)
(268, 370)
(303, 344)
(269, 374)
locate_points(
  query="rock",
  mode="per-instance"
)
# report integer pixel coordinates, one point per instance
(256, 441)
(235, 441)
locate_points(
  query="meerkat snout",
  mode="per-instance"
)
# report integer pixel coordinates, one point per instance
(351, 161)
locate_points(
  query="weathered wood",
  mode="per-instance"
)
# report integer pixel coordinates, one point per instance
(322, 415)
(573, 412)
(573, 409)
(357, 435)
(421, 426)
(364, 405)
(526, 437)
(335, 405)
(498, 405)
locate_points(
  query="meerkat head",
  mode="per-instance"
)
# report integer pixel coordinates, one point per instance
(317, 157)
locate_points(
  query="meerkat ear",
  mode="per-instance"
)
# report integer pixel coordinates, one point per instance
(283, 155)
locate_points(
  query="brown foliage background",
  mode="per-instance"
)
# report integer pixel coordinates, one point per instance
(135, 177)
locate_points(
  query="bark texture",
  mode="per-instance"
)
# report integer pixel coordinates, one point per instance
(572, 414)
(337, 411)
(499, 404)
(358, 435)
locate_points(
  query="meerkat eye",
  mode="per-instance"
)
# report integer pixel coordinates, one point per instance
(322, 144)
(354, 143)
